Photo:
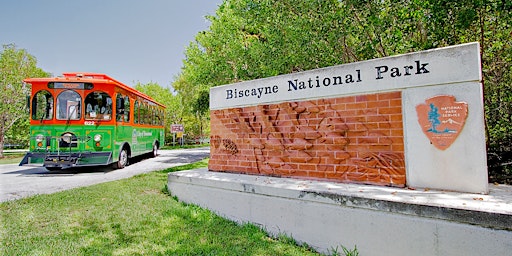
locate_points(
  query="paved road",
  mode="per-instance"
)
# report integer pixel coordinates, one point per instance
(17, 182)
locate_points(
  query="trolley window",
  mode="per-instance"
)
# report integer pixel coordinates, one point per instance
(69, 105)
(126, 109)
(42, 106)
(136, 108)
(98, 106)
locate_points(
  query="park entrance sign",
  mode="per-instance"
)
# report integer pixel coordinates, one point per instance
(324, 156)
(411, 120)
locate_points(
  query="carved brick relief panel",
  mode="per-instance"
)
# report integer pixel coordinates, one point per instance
(348, 139)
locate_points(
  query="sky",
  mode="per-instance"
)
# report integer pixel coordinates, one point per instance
(129, 40)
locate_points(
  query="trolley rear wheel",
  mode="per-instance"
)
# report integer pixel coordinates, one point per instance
(155, 150)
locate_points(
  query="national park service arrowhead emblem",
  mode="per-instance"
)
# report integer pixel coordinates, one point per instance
(442, 119)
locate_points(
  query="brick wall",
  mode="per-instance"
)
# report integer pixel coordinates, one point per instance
(347, 139)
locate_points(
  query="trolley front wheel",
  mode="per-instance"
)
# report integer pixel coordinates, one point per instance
(123, 159)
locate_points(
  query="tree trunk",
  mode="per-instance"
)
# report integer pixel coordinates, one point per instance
(1, 144)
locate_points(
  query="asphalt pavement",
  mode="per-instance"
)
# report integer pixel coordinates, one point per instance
(23, 181)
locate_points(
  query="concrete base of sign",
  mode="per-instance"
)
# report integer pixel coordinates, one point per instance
(378, 220)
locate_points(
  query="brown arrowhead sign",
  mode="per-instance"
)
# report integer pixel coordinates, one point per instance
(442, 119)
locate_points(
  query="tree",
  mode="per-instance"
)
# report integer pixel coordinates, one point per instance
(255, 39)
(433, 118)
(201, 107)
(15, 65)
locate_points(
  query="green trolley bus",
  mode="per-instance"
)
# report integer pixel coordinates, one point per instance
(90, 119)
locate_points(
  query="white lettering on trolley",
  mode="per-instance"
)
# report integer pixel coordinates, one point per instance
(144, 134)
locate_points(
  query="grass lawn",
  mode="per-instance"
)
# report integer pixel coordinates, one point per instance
(133, 216)
(11, 158)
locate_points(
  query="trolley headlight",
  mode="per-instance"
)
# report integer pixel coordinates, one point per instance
(67, 138)
(97, 139)
(39, 138)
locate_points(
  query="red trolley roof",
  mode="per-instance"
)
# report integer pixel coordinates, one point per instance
(86, 77)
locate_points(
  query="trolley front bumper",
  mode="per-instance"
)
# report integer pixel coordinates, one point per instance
(67, 160)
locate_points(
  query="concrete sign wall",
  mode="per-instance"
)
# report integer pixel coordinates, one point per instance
(411, 120)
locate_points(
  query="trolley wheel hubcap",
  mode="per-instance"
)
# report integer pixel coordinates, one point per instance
(123, 159)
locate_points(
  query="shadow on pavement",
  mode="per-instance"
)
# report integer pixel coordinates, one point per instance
(41, 171)
(185, 157)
